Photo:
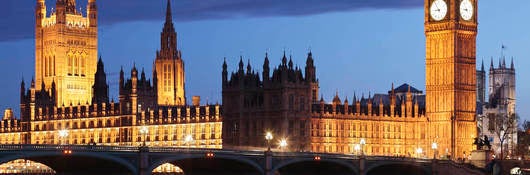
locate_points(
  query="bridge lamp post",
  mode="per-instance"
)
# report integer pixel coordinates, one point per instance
(362, 143)
(268, 137)
(283, 143)
(63, 133)
(188, 139)
(434, 147)
(419, 151)
(143, 132)
(357, 148)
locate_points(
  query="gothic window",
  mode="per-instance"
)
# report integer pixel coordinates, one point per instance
(82, 64)
(70, 60)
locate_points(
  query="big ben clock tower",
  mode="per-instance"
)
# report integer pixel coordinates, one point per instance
(451, 31)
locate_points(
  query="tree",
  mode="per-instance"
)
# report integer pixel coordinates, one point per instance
(523, 138)
(505, 126)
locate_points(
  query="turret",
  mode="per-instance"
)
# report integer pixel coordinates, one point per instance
(225, 72)
(40, 12)
(60, 11)
(155, 80)
(408, 103)
(92, 13)
(122, 79)
(266, 69)
(70, 6)
(241, 71)
(290, 62)
(249, 68)
(22, 91)
(310, 68)
(100, 89)
(392, 101)
(54, 93)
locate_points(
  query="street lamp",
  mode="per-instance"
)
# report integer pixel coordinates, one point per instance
(434, 147)
(63, 133)
(419, 151)
(363, 142)
(188, 139)
(357, 148)
(268, 137)
(283, 143)
(143, 132)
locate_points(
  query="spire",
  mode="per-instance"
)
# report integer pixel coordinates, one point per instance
(503, 62)
(249, 68)
(291, 61)
(354, 97)
(241, 63)
(224, 64)
(511, 65)
(266, 62)
(169, 18)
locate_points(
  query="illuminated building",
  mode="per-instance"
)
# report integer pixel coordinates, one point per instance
(53, 113)
(287, 105)
(66, 49)
(284, 101)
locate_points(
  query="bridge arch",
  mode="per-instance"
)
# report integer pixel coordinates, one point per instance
(413, 168)
(44, 158)
(218, 156)
(346, 164)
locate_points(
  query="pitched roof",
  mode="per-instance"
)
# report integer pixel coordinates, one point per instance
(405, 88)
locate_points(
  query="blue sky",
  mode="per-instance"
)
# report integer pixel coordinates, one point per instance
(358, 46)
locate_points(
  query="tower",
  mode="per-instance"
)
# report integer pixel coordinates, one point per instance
(169, 66)
(451, 31)
(100, 89)
(66, 50)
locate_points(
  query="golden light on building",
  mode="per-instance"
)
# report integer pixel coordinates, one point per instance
(22, 166)
(167, 169)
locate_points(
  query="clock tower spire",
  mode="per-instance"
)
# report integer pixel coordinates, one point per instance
(451, 31)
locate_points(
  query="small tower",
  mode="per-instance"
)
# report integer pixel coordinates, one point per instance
(169, 66)
(100, 89)
(225, 72)
(266, 69)
(92, 13)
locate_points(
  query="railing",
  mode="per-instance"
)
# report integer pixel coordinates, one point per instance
(101, 148)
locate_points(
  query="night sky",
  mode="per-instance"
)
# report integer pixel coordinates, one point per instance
(359, 46)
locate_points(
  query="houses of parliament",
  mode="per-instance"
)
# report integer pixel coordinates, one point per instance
(70, 93)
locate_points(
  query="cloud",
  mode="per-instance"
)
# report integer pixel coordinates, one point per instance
(19, 14)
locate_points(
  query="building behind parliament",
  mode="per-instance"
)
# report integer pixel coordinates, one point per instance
(70, 92)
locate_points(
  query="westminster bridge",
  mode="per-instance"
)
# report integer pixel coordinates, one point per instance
(92, 159)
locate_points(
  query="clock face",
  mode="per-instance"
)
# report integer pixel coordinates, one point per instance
(466, 9)
(438, 10)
